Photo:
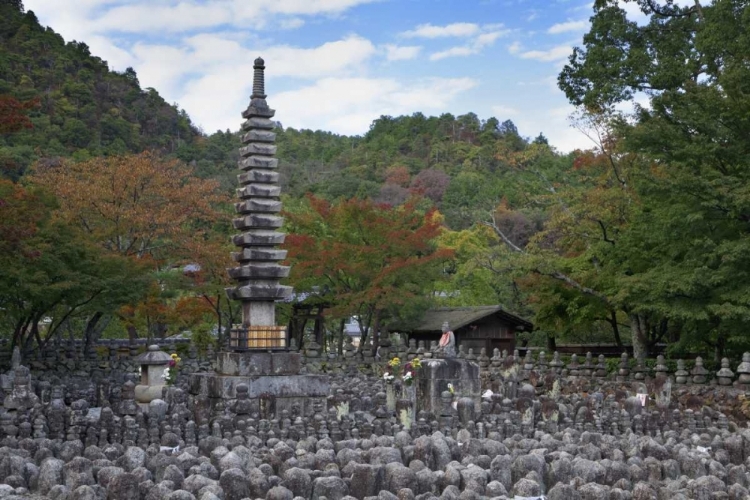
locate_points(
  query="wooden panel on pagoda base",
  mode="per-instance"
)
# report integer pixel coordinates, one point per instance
(258, 337)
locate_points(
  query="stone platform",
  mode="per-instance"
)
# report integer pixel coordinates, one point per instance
(435, 376)
(272, 378)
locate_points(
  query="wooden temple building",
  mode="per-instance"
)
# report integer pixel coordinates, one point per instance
(474, 327)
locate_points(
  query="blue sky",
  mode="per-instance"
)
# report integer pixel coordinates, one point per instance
(339, 64)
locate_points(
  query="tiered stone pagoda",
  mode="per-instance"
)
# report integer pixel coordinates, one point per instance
(258, 358)
(259, 271)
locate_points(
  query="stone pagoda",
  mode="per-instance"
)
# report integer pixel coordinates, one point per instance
(259, 271)
(257, 364)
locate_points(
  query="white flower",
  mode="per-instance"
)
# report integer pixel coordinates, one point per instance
(450, 388)
(165, 375)
(408, 376)
(487, 394)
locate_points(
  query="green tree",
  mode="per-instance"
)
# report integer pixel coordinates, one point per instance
(51, 274)
(690, 246)
(372, 260)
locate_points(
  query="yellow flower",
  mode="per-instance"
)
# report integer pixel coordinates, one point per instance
(394, 362)
(174, 355)
(416, 363)
(177, 359)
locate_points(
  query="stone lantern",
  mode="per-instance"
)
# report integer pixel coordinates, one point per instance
(153, 362)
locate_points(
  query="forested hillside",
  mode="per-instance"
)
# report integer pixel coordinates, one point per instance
(463, 165)
(78, 107)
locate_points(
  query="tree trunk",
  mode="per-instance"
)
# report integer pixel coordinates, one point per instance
(615, 327)
(376, 333)
(320, 337)
(132, 333)
(218, 317)
(340, 347)
(721, 343)
(639, 334)
(551, 343)
(92, 332)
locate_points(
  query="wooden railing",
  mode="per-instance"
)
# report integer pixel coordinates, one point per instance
(258, 338)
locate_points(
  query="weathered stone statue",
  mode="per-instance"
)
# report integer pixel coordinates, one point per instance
(447, 344)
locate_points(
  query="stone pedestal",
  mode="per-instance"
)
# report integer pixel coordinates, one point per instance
(272, 379)
(436, 374)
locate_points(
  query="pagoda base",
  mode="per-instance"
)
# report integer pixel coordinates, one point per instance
(273, 381)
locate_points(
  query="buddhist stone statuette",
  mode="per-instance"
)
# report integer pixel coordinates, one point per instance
(447, 344)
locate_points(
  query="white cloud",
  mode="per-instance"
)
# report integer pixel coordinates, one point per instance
(308, 7)
(115, 56)
(489, 38)
(450, 30)
(145, 18)
(501, 110)
(210, 75)
(291, 23)
(515, 47)
(567, 27)
(453, 52)
(555, 125)
(402, 53)
(554, 54)
(163, 66)
(473, 47)
(349, 105)
(180, 16)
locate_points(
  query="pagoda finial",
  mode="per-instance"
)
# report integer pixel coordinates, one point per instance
(259, 91)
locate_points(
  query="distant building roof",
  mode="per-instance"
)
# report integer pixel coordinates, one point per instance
(458, 317)
(351, 328)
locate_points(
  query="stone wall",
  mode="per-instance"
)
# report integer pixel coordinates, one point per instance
(113, 359)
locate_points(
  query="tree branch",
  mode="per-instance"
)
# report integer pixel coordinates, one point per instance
(604, 232)
(554, 274)
(499, 233)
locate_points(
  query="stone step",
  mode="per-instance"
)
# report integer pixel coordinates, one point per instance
(263, 291)
(261, 270)
(259, 237)
(259, 254)
(262, 176)
(257, 148)
(257, 162)
(259, 136)
(254, 363)
(255, 205)
(258, 221)
(213, 386)
(262, 190)
(258, 122)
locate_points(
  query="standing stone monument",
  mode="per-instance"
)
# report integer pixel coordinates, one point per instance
(153, 362)
(436, 375)
(258, 355)
(447, 372)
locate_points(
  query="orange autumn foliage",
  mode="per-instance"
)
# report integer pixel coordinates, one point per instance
(137, 205)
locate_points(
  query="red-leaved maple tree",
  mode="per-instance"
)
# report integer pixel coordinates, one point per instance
(369, 258)
(13, 117)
